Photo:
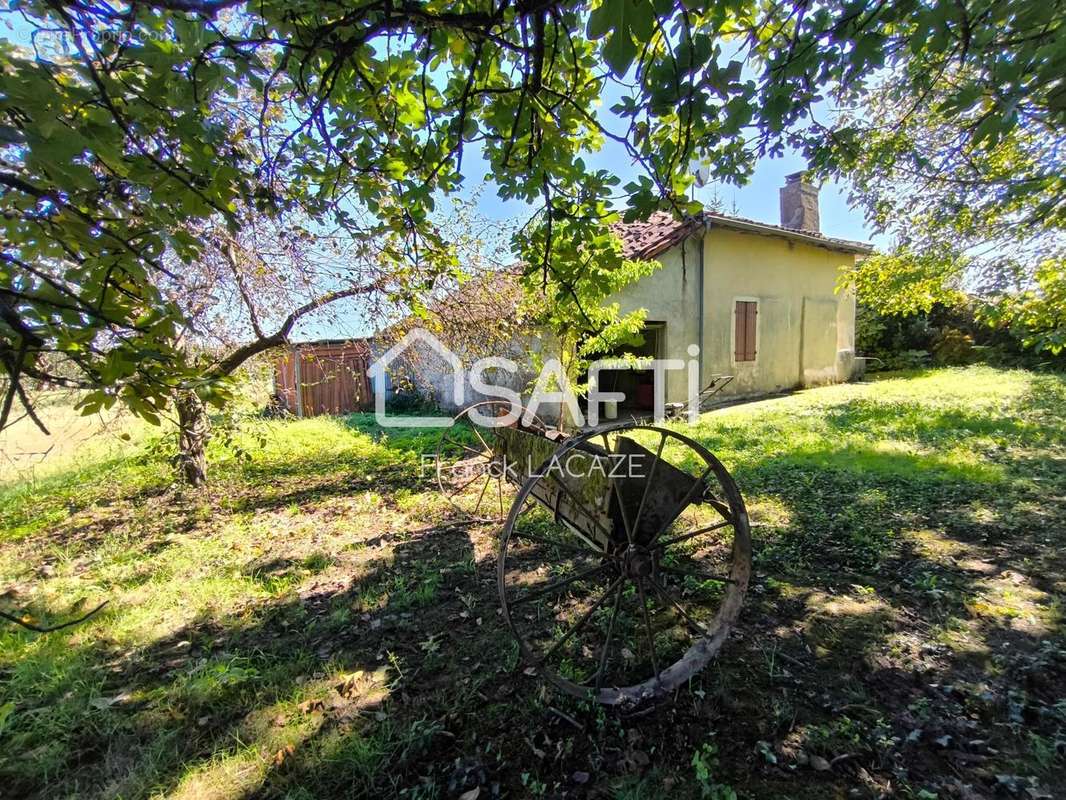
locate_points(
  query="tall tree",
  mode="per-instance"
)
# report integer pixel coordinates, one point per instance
(249, 291)
(246, 293)
(957, 152)
(124, 123)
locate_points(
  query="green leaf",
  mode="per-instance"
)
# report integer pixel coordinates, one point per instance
(619, 52)
(600, 21)
(626, 21)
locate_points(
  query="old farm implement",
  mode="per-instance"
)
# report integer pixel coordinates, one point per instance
(625, 552)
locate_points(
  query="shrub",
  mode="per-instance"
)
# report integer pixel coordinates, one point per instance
(944, 335)
(953, 347)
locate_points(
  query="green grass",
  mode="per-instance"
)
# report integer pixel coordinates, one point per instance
(307, 626)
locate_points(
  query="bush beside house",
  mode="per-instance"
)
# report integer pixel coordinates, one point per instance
(945, 335)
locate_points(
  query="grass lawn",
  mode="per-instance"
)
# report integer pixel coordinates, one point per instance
(314, 624)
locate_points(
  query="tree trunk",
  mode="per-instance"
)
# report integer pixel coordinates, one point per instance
(192, 437)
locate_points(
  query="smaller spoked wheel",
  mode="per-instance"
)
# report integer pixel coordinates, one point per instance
(624, 562)
(472, 473)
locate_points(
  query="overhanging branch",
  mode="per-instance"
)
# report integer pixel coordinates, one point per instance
(231, 362)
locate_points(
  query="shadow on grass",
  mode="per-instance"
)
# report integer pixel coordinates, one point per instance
(881, 607)
(198, 695)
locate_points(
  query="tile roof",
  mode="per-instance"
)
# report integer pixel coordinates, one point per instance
(648, 238)
(661, 231)
(494, 294)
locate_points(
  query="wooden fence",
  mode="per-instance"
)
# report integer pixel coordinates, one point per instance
(324, 378)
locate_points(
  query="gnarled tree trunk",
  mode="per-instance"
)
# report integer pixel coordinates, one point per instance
(192, 437)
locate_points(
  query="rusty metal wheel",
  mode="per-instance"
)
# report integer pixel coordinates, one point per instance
(472, 473)
(621, 584)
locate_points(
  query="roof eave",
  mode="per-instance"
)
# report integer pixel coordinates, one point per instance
(838, 245)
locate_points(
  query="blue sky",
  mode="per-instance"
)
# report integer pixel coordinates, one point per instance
(757, 200)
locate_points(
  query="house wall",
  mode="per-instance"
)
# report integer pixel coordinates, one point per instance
(671, 295)
(805, 329)
(425, 372)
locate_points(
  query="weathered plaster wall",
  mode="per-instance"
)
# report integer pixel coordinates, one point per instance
(806, 330)
(671, 295)
(803, 323)
(432, 376)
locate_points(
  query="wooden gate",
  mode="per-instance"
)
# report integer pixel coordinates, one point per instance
(324, 378)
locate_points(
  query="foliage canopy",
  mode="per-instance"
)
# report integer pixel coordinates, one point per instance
(124, 126)
(971, 188)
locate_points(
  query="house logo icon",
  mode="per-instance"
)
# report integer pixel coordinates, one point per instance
(379, 371)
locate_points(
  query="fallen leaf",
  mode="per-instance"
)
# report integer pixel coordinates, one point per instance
(107, 702)
(282, 754)
(819, 764)
(471, 795)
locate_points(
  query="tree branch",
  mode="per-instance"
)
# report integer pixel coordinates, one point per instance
(229, 253)
(51, 628)
(207, 8)
(228, 364)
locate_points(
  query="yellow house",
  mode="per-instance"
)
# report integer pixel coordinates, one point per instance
(752, 300)
(759, 300)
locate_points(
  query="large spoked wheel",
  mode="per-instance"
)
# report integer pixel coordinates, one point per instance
(472, 473)
(622, 585)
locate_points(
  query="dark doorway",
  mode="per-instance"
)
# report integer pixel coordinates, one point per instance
(636, 383)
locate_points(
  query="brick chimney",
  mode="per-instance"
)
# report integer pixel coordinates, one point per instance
(799, 203)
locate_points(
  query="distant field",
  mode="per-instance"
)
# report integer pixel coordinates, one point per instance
(313, 624)
(26, 453)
